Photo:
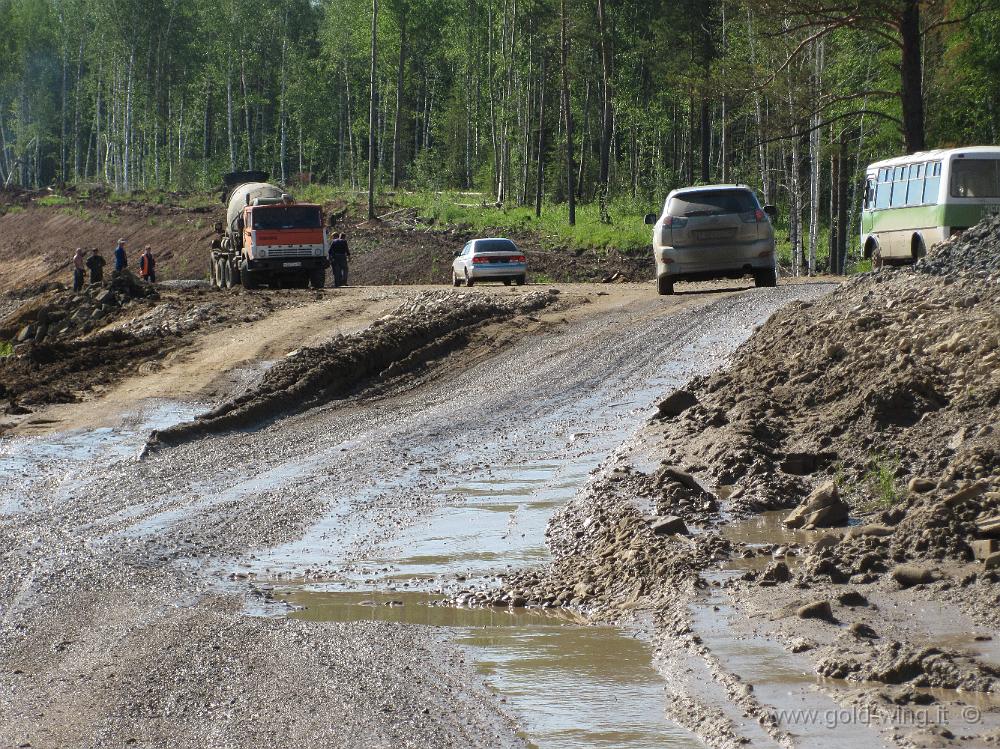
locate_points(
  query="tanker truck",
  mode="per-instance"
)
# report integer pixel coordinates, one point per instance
(268, 238)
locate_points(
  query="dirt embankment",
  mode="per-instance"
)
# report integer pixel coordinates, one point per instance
(416, 332)
(37, 243)
(876, 408)
(67, 346)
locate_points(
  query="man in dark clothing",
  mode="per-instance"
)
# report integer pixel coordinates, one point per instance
(121, 259)
(78, 267)
(96, 264)
(147, 265)
(339, 253)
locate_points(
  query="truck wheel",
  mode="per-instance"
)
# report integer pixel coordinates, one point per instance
(250, 280)
(664, 285)
(317, 278)
(227, 274)
(235, 273)
(213, 279)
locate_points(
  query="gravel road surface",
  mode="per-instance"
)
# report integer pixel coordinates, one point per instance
(130, 613)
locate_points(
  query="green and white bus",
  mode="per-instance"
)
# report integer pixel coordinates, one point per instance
(913, 202)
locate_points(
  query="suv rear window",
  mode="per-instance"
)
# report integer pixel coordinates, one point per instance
(495, 245)
(712, 203)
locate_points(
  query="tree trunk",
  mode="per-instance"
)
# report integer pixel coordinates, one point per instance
(282, 116)
(843, 176)
(912, 77)
(568, 110)
(606, 114)
(372, 105)
(584, 138)
(706, 140)
(540, 169)
(397, 122)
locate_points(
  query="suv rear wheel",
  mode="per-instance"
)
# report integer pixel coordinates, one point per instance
(765, 278)
(665, 285)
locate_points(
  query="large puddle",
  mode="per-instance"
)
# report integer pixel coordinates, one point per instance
(572, 685)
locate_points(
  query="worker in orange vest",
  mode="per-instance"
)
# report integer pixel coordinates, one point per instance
(147, 265)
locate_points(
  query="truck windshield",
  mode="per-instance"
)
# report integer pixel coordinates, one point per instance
(712, 203)
(287, 217)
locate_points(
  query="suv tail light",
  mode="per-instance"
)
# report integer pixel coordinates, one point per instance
(674, 222)
(755, 216)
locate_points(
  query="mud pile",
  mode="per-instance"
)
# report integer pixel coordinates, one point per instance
(67, 344)
(63, 314)
(431, 326)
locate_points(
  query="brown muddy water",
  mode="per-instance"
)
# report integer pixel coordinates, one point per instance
(572, 685)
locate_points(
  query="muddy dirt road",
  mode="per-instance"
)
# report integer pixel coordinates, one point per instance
(144, 602)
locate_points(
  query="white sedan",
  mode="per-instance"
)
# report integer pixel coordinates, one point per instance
(493, 259)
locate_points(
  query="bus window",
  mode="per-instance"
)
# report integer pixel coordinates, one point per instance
(882, 194)
(915, 186)
(932, 184)
(898, 187)
(975, 178)
(869, 194)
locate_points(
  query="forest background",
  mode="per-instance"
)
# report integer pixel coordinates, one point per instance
(501, 112)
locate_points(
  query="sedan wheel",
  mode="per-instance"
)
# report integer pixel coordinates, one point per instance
(455, 280)
(468, 279)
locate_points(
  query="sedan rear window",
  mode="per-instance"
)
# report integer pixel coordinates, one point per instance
(712, 203)
(495, 245)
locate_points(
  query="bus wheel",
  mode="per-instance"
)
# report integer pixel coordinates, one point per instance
(877, 262)
(917, 248)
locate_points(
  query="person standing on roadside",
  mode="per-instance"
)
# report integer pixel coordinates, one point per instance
(121, 259)
(147, 265)
(339, 254)
(78, 268)
(96, 264)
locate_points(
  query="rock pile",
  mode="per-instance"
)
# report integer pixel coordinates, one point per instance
(895, 375)
(973, 254)
(64, 314)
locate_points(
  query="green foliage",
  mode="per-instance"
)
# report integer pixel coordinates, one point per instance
(163, 96)
(626, 232)
(878, 486)
(54, 200)
(6, 349)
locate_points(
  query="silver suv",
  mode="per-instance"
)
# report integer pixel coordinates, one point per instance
(713, 231)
